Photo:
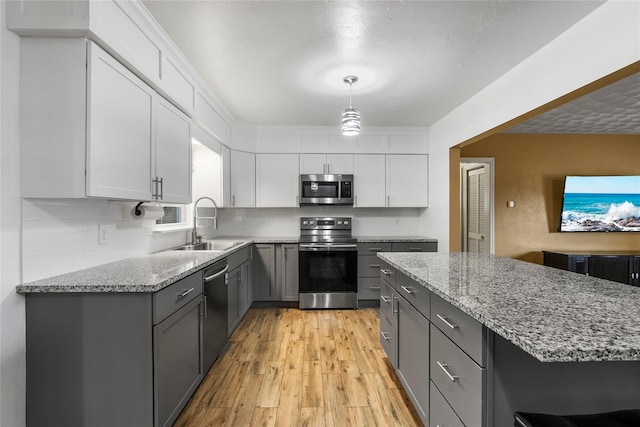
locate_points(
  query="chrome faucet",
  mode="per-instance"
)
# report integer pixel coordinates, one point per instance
(194, 233)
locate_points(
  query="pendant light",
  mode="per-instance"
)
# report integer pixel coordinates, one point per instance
(350, 116)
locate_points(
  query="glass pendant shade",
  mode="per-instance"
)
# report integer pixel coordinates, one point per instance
(350, 122)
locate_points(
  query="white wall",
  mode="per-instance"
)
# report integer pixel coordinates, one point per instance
(12, 321)
(60, 236)
(602, 43)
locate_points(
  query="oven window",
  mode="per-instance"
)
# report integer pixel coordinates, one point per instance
(328, 271)
(315, 189)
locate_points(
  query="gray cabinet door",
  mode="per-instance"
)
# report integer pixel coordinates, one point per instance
(177, 361)
(233, 314)
(413, 356)
(264, 273)
(244, 291)
(288, 274)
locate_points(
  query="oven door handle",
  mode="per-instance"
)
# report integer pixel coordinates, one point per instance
(328, 248)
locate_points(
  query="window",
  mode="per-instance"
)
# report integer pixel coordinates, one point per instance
(176, 217)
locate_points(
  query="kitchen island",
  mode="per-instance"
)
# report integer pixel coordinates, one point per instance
(539, 339)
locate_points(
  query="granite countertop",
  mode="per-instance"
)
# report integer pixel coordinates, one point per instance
(552, 314)
(374, 239)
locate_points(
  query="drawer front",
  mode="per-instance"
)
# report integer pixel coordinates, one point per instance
(387, 302)
(238, 257)
(373, 248)
(414, 247)
(368, 288)
(416, 294)
(466, 332)
(369, 266)
(175, 296)
(441, 414)
(387, 273)
(389, 340)
(458, 377)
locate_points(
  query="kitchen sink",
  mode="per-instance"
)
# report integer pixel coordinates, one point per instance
(214, 245)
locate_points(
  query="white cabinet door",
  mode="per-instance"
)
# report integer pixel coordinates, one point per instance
(172, 154)
(277, 180)
(243, 179)
(313, 164)
(407, 180)
(340, 163)
(369, 180)
(225, 153)
(119, 120)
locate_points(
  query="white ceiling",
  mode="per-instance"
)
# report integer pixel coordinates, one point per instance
(282, 62)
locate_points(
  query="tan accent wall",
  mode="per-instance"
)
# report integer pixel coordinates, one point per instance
(455, 242)
(530, 169)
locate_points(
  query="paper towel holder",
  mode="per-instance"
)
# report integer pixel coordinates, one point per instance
(137, 210)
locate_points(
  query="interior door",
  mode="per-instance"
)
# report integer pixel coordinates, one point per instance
(478, 210)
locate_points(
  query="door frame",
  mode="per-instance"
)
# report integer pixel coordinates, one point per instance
(470, 163)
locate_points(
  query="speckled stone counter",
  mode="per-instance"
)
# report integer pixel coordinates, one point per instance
(551, 314)
(374, 239)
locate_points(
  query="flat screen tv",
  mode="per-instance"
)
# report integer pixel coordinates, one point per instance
(601, 203)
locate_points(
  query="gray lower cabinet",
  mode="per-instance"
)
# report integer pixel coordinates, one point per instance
(440, 413)
(413, 356)
(264, 272)
(113, 359)
(275, 272)
(239, 289)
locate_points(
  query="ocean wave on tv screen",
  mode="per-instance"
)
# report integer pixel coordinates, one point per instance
(622, 211)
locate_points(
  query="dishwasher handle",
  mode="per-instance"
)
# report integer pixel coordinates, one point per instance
(216, 275)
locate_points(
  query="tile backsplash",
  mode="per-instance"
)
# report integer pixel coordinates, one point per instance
(60, 236)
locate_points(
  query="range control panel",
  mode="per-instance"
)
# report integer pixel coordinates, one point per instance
(325, 223)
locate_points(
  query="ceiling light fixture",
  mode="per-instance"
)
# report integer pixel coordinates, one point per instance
(350, 116)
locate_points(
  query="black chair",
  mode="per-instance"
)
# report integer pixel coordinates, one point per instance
(625, 418)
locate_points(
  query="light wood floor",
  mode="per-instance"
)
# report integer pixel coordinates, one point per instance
(290, 367)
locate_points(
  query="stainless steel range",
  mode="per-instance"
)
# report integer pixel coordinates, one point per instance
(328, 263)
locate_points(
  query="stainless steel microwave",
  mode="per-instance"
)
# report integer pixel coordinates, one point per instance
(326, 189)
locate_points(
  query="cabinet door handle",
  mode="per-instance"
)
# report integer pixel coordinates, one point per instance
(446, 322)
(374, 288)
(154, 192)
(385, 298)
(328, 167)
(385, 336)
(233, 200)
(375, 249)
(444, 366)
(205, 306)
(185, 293)
(387, 200)
(408, 290)
(161, 189)
(385, 272)
(394, 304)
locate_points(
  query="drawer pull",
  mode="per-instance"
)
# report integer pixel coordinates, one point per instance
(375, 249)
(374, 288)
(385, 336)
(385, 272)
(408, 290)
(374, 265)
(446, 322)
(446, 371)
(385, 298)
(185, 293)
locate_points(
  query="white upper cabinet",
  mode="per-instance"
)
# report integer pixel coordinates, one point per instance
(407, 180)
(243, 179)
(90, 128)
(369, 180)
(326, 164)
(391, 180)
(172, 173)
(119, 122)
(277, 180)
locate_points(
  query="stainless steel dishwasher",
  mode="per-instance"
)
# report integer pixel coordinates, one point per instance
(215, 314)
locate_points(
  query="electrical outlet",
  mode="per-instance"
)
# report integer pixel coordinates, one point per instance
(104, 232)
